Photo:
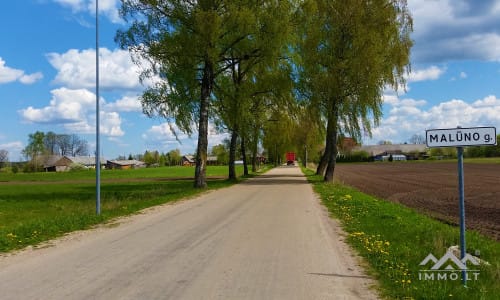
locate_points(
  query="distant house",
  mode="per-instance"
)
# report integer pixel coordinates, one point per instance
(49, 163)
(64, 163)
(386, 156)
(125, 164)
(346, 145)
(190, 160)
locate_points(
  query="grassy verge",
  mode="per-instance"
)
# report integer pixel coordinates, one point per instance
(394, 240)
(33, 212)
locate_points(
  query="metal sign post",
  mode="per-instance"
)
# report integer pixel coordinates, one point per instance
(97, 125)
(460, 137)
(461, 199)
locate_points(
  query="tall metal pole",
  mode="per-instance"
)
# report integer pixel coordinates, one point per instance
(460, 154)
(97, 122)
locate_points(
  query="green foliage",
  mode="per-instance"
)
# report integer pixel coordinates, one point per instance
(349, 51)
(355, 156)
(196, 47)
(42, 144)
(394, 255)
(152, 158)
(484, 151)
(173, 158)
(222, 153)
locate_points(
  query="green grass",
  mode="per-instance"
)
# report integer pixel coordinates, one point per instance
(163, 172)
(394, 239)
(483, 160)
(48, 205)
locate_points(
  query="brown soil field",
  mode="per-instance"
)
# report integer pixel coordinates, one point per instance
(432, 188)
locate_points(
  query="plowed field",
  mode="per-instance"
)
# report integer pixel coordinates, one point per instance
(432, 188)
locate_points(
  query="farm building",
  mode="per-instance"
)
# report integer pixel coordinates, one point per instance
(63, 163)
(387, 157)
(125, 164)
(189, 160)
(412, 151)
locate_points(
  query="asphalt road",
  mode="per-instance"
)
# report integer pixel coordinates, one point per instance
(267, 238)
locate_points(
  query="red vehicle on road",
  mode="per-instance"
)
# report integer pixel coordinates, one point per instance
(290, 158)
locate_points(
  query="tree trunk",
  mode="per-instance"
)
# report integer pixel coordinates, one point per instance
(232, 155)
(254, 151)
(244, 154)
(331, 160)
(326, 154)
(200, 174)
(332, 136)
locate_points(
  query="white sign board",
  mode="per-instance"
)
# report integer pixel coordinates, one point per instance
(461, 137)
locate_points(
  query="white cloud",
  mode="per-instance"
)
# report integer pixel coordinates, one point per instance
(406, 118)
(66, 106)
(430, 73)
(75, 110)
(455, 30)
(12, 146)
(76, 69)
(126, 104)
(31, 78)
(463, 75)
(8, 74)
(14, 149)
(107, 7)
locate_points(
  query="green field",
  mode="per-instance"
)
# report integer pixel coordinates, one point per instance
(394, 239)
(36, 207)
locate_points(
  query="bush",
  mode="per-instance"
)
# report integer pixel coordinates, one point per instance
(355, 156)
(76, 167)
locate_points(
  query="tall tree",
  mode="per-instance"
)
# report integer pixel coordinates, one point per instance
(189, 44)
(50, 141)
(351, 50)
(4, 157)
(35, 147)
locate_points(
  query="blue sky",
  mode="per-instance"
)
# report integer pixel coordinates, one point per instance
(47, 83)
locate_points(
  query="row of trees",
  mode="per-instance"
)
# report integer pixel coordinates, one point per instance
(43, 144)
(265, 69)
(50, 143)
(155, 158)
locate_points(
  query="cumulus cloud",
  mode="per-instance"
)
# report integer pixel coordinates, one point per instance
(407, 117)
(126, 104)
(75, 110)
(107, 7)
(76, 69)
(430, 73)
(8, 74)
(455, 30)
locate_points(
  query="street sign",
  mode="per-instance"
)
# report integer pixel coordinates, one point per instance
(461, 137)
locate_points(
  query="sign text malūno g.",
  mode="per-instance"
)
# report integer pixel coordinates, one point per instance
(461, 137)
